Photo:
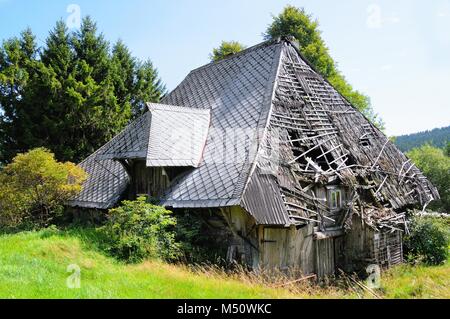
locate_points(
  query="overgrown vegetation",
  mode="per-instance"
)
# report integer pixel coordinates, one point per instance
(200, 242)
(35, 265)
(34, 188)
(428, 241)
(71, 95)
(137, 230)
(435, 164)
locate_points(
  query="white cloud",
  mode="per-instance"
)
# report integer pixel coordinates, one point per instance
(386, 67)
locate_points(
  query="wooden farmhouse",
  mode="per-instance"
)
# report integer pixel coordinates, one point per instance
(261, 142)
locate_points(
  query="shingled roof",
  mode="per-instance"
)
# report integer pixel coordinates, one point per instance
(264, 96)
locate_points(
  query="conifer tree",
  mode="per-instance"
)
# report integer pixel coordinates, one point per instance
(71, 96)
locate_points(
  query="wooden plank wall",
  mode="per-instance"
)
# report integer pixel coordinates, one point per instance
(148, 180)
(356, 247)
(287, 248)
(324, 254)
(245, 236)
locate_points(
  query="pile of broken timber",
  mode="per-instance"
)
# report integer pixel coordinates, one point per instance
(384, 218)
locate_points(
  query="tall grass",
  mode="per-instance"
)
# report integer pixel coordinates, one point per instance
(34, 265)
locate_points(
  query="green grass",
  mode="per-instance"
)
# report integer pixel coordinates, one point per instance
(34, 265)
(407, 281)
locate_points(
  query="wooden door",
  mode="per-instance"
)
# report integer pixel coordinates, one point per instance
(325, 257)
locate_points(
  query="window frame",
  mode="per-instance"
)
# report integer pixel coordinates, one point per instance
(335, 203)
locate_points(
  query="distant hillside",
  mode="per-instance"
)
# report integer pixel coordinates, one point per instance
(437, 137)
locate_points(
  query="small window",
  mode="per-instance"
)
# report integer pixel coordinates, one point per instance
(335, 199)
(364, 142)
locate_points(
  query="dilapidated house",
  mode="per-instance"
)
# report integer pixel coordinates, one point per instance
(300, 177)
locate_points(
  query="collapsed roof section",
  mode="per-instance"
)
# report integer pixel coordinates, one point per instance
(290, 132)
(320, 139)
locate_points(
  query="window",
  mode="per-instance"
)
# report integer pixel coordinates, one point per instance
(364, 142)
(335, 199)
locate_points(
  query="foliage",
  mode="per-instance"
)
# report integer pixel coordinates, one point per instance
(225, 49)
(138, 230)
(199, 241)
(34, 265)
(436, 166)
(409, 281)
(438, 137)
(34, 187)
(295, 22)
(427, 242)
(72, 95)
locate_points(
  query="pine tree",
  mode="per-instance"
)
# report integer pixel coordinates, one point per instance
(72, 96)
(148, 87)
(17, 67)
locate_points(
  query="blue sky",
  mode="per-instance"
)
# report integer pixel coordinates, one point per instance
(397, 51)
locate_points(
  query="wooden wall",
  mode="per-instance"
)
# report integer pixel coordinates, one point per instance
(269, 247)
(355, 248)
(324, 257)
(363, 245)
(287, 249)
(148, 180)
(244, 245)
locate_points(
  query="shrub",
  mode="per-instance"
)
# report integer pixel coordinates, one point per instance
(199, 241)
(34, 188)
(427, 242)
(137, 230)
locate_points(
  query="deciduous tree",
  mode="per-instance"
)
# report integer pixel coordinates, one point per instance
(225, 49)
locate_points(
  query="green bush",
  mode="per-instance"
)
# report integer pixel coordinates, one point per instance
(137, 230)
(427, 242)
(199, 241)
(34, 188)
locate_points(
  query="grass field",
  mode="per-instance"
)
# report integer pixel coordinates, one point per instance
(34, 265)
